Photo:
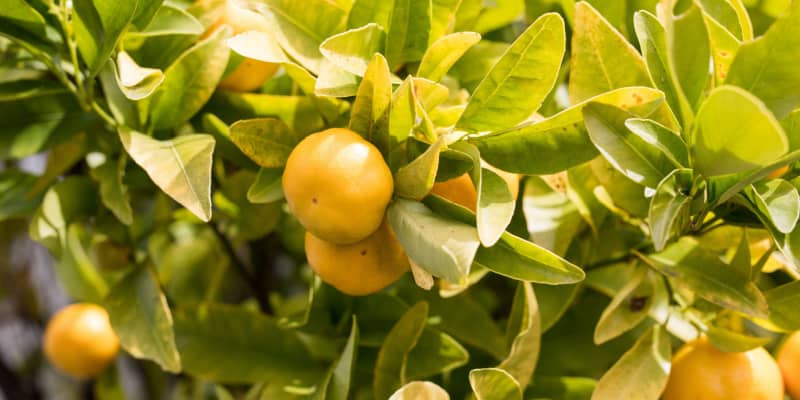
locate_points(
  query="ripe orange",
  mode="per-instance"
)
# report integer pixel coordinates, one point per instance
(701, 371)
(337, 185)
(460, 190)
(250, 74)
(361, 268)
(79, 340)
(789, 362)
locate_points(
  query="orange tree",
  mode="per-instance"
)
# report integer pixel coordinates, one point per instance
(577, 188)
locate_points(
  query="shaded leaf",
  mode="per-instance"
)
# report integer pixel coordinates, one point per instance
(142, 319)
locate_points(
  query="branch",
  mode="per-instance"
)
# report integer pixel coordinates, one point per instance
(238, 265)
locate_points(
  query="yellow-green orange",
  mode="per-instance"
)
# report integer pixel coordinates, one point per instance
(701, 371)
(79, 340)
(361, 268)
(337, 185)
(789, 362)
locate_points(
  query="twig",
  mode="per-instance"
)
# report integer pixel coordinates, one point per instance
(239, 266)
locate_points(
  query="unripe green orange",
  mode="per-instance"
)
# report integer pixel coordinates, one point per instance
(337, 185)
(79, 340)
(361, 268)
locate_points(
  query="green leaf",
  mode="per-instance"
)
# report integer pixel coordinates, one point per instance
(267, 187)
(352, 50)
(641, 373)
(520, 80)
(416, 179)
(142, 319)
(232, 345)
(15, 197)
(670, 207)
(181, 167)
(390, 366)
(189, 82)
(763, 66)
(407, 33)
(75, 270)
(734, 342)
(266, 141)
(602, 59)
(458, 316)
(494, 384)
(98, 26)
(495, 207)
(524, 333)
(724, 46)
(784, 305)
(337, 384)
(630, 306)
(513, 256)
(170, 20)
(444, 53)
(35, 123)
(709, 277)
(561, 141)
(690, 62)
(443, 247)
(370, 114)
(134, 81)
(20, 14)
(722, 188)
(735, 132)
(654, 43)
(369, 11)
(301, 26)
(666, 141)
(65, 202)
(565, 387)
(779, 200)
(29, 87)
(636, 158)
(402, 118)
(552, 218)
(420, 391)
(113, 192)
(258, 45)
(435, 353)
(725, 14)
(500, 13)
(300, 113)
(247, 221)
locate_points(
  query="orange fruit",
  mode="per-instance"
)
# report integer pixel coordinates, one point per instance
(79, 340)
(789, 362)
(778, 172)
(461, 191)
(701, 371)
(337, 185)
(361, 268)
(250, 74)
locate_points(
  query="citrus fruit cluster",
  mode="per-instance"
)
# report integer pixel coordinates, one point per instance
(338, 186)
